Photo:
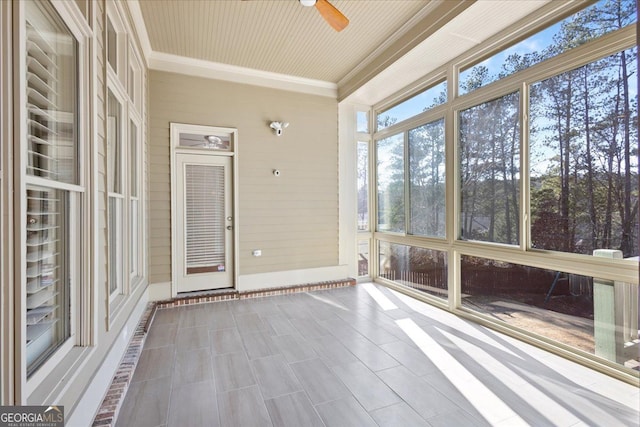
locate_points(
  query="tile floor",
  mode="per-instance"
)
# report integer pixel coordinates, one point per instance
(356, 356)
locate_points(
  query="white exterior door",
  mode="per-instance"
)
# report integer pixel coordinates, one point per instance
(204, 222)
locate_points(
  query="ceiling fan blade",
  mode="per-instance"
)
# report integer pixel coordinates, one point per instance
(333, 16)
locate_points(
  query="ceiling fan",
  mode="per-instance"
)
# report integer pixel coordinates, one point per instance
(333, 16)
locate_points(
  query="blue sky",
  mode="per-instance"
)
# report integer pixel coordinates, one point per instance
(534, 43)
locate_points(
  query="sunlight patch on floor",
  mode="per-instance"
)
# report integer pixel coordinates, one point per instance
(523, 389)
(490, 406)
(328, 301)
(384, 302)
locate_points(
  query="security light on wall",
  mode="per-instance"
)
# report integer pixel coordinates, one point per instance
(278, 127)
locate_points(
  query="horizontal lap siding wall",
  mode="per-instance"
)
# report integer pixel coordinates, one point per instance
(292, 218)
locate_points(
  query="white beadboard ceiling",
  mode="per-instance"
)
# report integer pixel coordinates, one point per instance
(279, 36)
(284, 38)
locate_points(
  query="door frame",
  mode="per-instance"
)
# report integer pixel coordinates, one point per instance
(175, 130)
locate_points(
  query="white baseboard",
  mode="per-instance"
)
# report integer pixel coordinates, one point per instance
(88, 406)
(250, 282)
(159, 291)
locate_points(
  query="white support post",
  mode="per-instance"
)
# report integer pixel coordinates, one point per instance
(627, 321)
(604, 311)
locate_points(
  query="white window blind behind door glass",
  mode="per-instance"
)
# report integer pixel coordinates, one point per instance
(205, 222)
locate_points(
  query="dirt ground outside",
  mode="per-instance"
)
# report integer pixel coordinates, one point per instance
(567, 319)
(573, 330)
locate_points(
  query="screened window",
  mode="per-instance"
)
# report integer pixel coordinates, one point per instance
(362, 121)
(588, 24)
(363, 257)
(390, 181)
(546, 159)
(363, 186)
(490, 171)
(429, 98)
(52, 162)
(574, 309)
(427, 179)
(584, 158)
(421, 269)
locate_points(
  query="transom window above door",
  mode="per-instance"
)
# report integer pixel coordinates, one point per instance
(219, 142)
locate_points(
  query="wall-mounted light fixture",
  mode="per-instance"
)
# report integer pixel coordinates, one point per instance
(278, 127)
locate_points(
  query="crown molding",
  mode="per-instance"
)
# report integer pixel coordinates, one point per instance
(214, 70)
(430, 19)
(404, 29)
(140, 28)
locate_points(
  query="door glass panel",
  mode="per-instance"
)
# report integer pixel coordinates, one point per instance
(205, 222)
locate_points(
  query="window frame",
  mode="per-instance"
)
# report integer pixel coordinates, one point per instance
(408, 200)
(440, 112)
(80, 200)
(136, 242)
(127, 85)
(521, 81)
(120, 198)
(493, 96)
(623, 270)
(366, 234)
(115, 16)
